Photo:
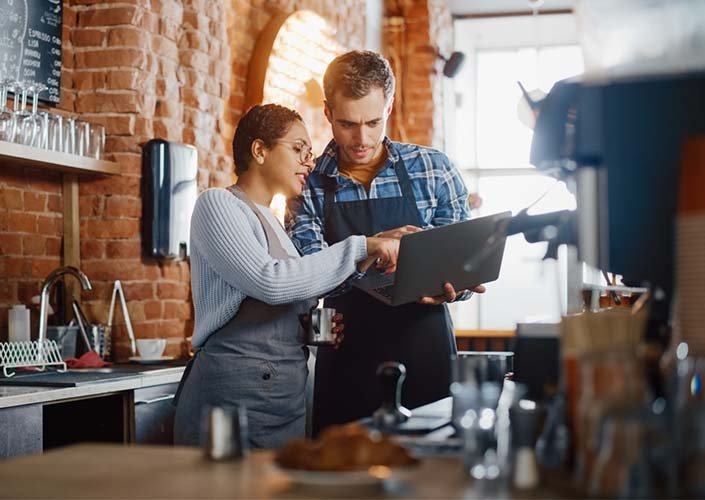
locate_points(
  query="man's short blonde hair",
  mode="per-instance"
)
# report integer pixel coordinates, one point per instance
(355, 73)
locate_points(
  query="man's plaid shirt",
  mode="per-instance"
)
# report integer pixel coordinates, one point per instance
(439, 190)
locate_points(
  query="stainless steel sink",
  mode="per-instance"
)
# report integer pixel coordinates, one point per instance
(106, 369)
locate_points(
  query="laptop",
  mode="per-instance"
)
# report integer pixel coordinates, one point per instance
(464, 254)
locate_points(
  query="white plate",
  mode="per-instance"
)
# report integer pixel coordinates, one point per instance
(374, 476)
(146, 361)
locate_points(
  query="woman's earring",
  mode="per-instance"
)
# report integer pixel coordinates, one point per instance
(260, 160)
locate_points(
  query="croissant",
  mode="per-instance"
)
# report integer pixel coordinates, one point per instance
(344, 448)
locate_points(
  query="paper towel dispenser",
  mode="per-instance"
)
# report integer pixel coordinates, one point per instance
(170, 190)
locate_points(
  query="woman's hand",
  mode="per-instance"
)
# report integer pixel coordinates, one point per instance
(338, 330)
(383, 251)
(305, 320)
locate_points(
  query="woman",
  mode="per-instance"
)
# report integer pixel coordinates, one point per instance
(250, 285)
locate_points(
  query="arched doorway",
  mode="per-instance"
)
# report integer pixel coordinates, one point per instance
(287, 66)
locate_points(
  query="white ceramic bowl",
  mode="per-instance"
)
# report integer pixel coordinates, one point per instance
(151, 348)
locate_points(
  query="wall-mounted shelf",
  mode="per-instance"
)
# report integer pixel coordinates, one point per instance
(26, 156)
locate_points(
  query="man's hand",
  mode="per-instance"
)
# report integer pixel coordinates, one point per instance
(449, 295)
(398, 232)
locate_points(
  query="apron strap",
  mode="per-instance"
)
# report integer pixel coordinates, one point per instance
(407, 193)
(329, 186)
(404, 181)
(276, 250)
(187, 370)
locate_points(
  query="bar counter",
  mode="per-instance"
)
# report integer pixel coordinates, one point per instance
(115, 471)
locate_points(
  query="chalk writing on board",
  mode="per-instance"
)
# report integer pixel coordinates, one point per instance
(30, 43)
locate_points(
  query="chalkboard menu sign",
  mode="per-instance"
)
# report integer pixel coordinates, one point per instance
(30, 43)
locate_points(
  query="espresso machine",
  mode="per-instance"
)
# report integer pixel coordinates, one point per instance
(621, 141)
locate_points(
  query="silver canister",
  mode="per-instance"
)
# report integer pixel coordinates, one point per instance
(224, 432)
(320, 328)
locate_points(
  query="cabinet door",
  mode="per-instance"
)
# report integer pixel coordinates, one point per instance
(154, 414)
(20, 431)
(98, 419)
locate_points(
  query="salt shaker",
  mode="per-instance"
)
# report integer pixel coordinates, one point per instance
(526, 471)
(525, 418)
(224, 431)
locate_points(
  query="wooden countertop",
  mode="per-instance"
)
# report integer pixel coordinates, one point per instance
(123, 471)
(115, 471)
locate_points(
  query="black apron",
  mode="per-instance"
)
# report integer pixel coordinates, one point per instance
(419, 336)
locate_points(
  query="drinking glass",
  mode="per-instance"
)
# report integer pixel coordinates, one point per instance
(97, 141)
(83, 138)
(41, 139)
(465, 386)
(54, 131)
(68, 142)
(481, 457)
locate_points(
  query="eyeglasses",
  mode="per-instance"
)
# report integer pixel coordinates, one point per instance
(305, 152)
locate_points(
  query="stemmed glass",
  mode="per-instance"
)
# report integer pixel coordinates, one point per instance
(7, 123)
(40, 134)
(42, 129)
(24, 121)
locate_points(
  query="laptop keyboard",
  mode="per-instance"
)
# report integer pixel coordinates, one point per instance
(385, 291)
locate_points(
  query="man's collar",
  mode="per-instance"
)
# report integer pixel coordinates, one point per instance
(327, 163)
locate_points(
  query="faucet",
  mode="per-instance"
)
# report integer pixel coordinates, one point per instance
(49, 282)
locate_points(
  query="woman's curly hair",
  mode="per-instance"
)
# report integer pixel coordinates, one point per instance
(266, 122)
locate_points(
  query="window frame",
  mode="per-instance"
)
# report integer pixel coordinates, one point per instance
(473, 36)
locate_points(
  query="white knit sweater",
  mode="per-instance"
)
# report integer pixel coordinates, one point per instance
(230, 261)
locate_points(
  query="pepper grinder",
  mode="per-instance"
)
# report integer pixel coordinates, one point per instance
(391, 376)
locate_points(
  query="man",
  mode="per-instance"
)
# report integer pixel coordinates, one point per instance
(366, 184)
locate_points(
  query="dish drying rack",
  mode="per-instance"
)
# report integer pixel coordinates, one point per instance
(38, 354)
(30, 354)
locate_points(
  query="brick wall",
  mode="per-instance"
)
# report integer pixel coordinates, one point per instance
(413, 31)
(30, 234)
(174, 69)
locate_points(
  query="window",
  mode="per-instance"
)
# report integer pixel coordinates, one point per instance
(491, 147)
